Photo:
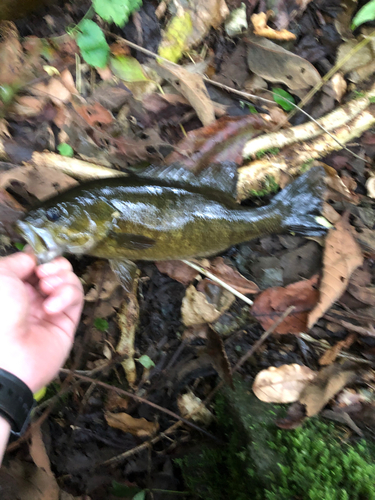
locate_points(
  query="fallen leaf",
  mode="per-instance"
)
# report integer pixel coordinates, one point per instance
(232, 277)
(219, 359)
(177, 270)
(329, 381)
(220, 142)
(94, 114)
(192, 87)
(342, 255)
(273, 302)
(39, 454)
(41, 182)
(11, 56)
(10, 209)
(139, 427)
(191, 407)
(25, 481)
(128, 69)
(338, 85)
(54, 90)
(100, 275)
(331, 354)
(261, 29)
(282, 384)
(188, 27)
(275, 64)
(127, 319)
(196, 307)
(27, 106)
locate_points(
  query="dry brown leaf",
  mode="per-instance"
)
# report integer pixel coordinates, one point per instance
(232, 277)
(188, 404)
(282, 384)
(273, 302)
(330, 213)
(68, 81)
(139, 427)
(273, 63)
(197, 309)
(100, 275)
(94, 114)
(27, 106)
(22, 480)
(338, 85)
(10, 209)
(331, 354)
(127, 320)
(41, 182)
(342, 256)
(177, 270)
(38, 451)
(54, 90)
(329, 381)
(11, 56)
(192, 87)
(261, 29)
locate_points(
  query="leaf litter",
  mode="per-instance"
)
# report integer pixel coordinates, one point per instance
(186, 328)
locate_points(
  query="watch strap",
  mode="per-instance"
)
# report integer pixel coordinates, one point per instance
(16, 401)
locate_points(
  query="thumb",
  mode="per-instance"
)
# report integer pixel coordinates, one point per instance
(19, 264)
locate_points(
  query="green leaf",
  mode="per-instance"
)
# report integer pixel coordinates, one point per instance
(19, 246)
(65, 150)
(279, 98)
(128, 69)
(140, 496)
(146, 361)
(365, 14)
(117, 11)
(101, 324)
(40, 394)
(121, 490)
(92, 43)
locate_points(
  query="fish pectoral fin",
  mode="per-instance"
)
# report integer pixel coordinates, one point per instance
(132, 241)
(126, 271)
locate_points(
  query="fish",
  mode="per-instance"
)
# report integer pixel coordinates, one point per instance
(166, 214)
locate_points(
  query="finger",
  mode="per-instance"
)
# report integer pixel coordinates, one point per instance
(19, 264)
(54, 267)
(50, 283)
(63, 298)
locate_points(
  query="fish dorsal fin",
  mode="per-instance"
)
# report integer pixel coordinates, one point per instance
(219, 179)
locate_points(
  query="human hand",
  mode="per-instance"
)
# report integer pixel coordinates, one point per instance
(40, 307)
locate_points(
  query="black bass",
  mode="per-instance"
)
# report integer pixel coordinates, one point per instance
(171, 215)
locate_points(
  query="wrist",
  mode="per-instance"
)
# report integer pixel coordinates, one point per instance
(4, 436)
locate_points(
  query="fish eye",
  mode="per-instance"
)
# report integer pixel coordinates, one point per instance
(53, 214)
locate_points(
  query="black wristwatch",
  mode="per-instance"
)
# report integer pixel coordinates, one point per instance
(16, 402)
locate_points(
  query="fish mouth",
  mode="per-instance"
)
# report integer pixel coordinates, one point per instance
(41, 241)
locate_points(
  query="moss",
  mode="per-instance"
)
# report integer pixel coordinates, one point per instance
(264, 152)
(269, 186)
(310, 463)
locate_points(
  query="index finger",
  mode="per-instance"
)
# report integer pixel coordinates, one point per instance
(19, 264)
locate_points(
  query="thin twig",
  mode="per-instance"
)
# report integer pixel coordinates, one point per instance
(262, 339)
(219, 281)
(142, 400)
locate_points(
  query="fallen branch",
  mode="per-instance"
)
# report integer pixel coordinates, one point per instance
(252, 176)
(337, 118)
(79, 169)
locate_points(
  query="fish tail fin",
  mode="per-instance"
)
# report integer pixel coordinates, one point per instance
(300, 203)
